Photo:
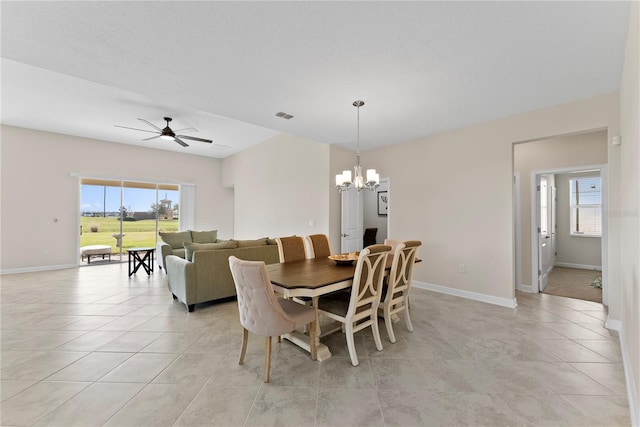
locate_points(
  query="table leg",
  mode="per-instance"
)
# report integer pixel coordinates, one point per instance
(302, 340)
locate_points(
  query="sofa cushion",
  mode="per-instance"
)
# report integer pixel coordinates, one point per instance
(190, 248)
(204, 236)
(175, 239)
(249, 243)
(178, 252)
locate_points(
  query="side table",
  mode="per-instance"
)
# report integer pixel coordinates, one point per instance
(140, 257)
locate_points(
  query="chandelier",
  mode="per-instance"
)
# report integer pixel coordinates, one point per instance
(343, 180)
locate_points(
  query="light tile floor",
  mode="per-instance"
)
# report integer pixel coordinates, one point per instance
(91, 347)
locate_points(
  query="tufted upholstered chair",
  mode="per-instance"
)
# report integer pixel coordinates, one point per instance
(264, 314)
(291, 248)
(319, 246)
(396, 293)
(359, 309)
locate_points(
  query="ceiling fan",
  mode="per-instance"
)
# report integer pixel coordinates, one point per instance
(170, 134)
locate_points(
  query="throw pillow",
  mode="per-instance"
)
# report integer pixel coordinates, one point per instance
(190, 248)
(204, 236)
(175, 239)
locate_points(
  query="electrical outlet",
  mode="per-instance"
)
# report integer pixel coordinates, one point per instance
(45, 251)
(462, 268)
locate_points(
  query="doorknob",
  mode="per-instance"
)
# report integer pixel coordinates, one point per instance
(345, 235)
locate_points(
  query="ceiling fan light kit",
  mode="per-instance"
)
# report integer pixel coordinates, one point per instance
(169, 134)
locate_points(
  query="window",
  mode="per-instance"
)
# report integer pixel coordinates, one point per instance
(586, 206)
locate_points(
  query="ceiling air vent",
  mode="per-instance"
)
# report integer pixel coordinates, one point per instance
(284, 115)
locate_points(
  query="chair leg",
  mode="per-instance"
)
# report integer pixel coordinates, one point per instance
(376, 331)
(312, 340)
(243, 350)
(267, 358)
(407, 318)
(389, 324)
(351, 344)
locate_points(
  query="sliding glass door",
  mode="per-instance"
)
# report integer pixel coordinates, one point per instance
(116, 215)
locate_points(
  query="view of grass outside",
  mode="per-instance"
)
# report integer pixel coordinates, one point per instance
(136, 233)
(104, 202)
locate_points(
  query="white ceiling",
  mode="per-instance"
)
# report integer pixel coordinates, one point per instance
(226, 68)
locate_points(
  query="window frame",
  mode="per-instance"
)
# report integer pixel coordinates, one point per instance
(575, 207)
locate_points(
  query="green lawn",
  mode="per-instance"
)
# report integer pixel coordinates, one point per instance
(136, 233)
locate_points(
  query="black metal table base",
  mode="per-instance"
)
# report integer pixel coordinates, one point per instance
(136, 260)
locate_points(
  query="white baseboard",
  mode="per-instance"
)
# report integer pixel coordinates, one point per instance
(614, 325)
(504, 302)
(581, 266)
(632, 387)
(36, 269)
(526, 288)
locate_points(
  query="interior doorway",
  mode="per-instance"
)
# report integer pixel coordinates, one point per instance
(362, 213)
(555, 158)
(570, 233)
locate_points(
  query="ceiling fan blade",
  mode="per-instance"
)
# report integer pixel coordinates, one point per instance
(181, 130)
(195, 139)
(179, 141)
(153, 137)
(150, 124)
(142, 130)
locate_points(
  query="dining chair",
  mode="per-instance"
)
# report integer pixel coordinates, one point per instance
(396, 293)
(263, 313)
(291, 248)
(369, 237)
(318, 245)
(393, 243)
(359, 309)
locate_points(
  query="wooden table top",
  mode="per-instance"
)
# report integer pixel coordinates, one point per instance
(309, 273)
(313, 273)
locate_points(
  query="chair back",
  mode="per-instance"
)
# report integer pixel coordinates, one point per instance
(260, 312)
(402, 268)
(291, 248)
(369, 237)
(367, 281)
(319, 246)
(393, 243)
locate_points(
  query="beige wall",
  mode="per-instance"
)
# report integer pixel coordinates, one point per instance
(280, 186)
(628, 211)
(467, 218)
(568, 151)
(37, 188)
(574, 250)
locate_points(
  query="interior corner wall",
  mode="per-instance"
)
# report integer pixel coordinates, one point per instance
(567, 151)
(281, 188)
(627, 213)
(467, 219)
(38, 189)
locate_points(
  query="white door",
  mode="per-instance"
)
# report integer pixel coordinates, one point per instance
(543, 232)
(352, 221)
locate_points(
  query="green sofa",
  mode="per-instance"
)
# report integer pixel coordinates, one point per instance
(172, 243)
(204, 274)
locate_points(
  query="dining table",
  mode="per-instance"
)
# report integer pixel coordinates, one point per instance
(310, 279)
